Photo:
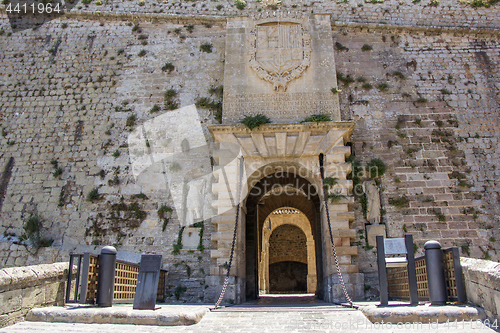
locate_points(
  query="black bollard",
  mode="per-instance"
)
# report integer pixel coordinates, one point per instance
(434, 262)
(106, 276)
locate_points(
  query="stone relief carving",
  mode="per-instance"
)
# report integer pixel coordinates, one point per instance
(279, 51)
(194, 201)
(373, 203)
(281, 104)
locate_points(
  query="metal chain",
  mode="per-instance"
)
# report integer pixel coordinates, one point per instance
(226, 280)
(341, 279)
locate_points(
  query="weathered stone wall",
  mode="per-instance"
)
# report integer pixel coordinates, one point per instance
(436, 128)
(446, 13)
(287, 241)
(69, 87)
(482, 284)
(287, 277)
(66, 95)
(24, 288)
(16, 255)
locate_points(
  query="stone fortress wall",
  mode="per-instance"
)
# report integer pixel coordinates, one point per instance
(71, 89)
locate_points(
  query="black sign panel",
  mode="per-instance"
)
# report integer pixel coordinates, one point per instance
(147, 282)
(150, 263)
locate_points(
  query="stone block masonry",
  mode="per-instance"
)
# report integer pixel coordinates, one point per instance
(69, 97)
(446, 13)
(71, 89)
(22, 289)
(435, 127)
(482, 285)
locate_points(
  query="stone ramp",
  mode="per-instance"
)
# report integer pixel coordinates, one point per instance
(397, 312)
(319, 317)
(283, 303)
(164, 315)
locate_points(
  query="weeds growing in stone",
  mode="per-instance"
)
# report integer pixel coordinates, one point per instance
(366, 47)
(384, 86)
(240, 4)
(93, 195)
(340, 47)
(206, 48)
(168, 67)
(317, 118)
(255, 121)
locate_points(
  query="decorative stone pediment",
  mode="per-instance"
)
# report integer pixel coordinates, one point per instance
(285, 140)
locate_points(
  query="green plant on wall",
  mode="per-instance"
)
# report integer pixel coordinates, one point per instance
(240, 4)
(164, 214)
(483, 3)
(357, 171)
(214, 105)
(317, 118)
(363, 200)
(466, 248)
(93, 195)
(375, 168)
(399, 202)
(32, 233)
(207, 48)
(169, 99)
(200, 234)
(179, 291)
(255, 121)
(178, 245)
(366, 47)
(340, 47)
(336, 195)
(346, 80)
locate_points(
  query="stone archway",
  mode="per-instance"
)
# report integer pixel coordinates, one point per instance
(285, 156)
(271, 193)
(295, 243)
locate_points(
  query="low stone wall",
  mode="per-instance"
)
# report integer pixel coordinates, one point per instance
(24, 288)
(482, 284)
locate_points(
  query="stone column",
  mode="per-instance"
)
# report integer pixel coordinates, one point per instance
(311, 267)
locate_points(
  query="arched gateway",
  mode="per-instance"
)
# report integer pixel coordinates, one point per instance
(288, 179)
(282, 66)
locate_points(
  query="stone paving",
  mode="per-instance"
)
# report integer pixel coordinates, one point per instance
(283, 314)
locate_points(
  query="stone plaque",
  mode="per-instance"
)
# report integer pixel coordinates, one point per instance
(394, 246)
(190, 238)
(150, 263)
(280, 65)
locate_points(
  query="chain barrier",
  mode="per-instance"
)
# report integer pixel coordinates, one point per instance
(226, 280)
(341, 279)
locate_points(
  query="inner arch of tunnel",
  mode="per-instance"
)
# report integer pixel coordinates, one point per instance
(287, 261)
(273, 192)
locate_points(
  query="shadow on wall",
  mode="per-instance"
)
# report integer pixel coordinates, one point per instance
(288, 277)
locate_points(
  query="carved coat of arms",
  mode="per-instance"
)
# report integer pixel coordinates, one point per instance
(279, 52)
